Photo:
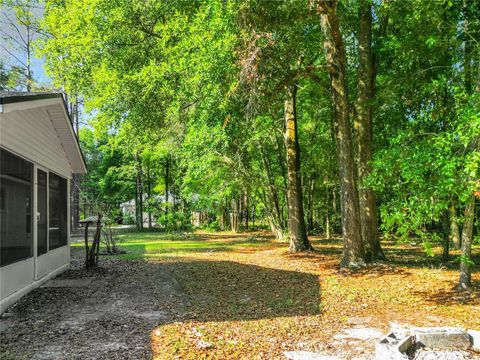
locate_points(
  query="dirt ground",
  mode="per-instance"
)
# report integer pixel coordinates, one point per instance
(233, 296)
(110, 318)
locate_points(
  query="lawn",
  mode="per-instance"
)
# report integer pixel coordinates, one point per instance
(250, 298)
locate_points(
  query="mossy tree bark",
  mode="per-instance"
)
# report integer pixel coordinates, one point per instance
(353, 248)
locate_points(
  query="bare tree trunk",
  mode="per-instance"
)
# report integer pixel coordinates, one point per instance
(29, 61)
(467, 237)
(454, 228)
(353, 249)
(296, 221)
(363, 126)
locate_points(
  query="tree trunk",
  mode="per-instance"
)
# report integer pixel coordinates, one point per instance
(469, 213)
(167, 170)
(29, 55)
(311, 194)
(149, 194)
(454, 228)
(87, 251)
(353, 249)
(334, 210)
(327, 215)
(139, 192)
(281, 162)
(445, 236)
(253, 213)
(92, 254)
(234, 221)
(467, 237)
(245, 212)
(296, 221)
(275, 216)
(363, 126)
(76, 179)
(468, 48)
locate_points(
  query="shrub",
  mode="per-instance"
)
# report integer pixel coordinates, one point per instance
(128, 219)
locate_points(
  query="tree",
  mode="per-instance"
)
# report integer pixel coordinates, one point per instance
(363, 126)
(296, 218)
(19, 31)
(353, 247)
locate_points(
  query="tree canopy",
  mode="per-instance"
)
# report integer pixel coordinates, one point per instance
(358, 117)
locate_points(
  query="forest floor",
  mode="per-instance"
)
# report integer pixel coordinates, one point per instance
(233, 296)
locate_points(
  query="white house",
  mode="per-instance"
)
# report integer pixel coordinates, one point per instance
(128, 207)
(39, 152)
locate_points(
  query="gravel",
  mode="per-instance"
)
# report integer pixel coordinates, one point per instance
(426, 354)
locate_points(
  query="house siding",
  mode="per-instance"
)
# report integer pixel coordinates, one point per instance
(34, 133)
(30, 134)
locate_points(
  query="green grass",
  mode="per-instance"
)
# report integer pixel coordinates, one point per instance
(145, 245)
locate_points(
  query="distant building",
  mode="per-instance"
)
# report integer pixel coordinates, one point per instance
(198, 218)
(128, 207)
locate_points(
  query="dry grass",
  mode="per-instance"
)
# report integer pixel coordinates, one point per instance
(255, 300)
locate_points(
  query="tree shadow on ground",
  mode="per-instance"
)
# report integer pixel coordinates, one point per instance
(227, 290)
(404, 255)
(452, 296)
(127, 299)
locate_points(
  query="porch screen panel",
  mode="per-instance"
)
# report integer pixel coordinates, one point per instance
(57, 227)
(42, 198)
(16, 208)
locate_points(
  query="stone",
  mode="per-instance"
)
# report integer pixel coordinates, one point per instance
(442, 338)
(474, 339)
(307, 355)
(394, 346)
(444, 355)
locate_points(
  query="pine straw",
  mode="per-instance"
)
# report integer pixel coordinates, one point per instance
(256, 302)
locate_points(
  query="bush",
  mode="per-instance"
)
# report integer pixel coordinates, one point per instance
(128, 219)
(211, 226)
(174, 221)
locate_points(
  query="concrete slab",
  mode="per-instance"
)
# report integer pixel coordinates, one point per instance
(474, 339)
(442, 338)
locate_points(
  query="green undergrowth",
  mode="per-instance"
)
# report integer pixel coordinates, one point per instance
(147, 245)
